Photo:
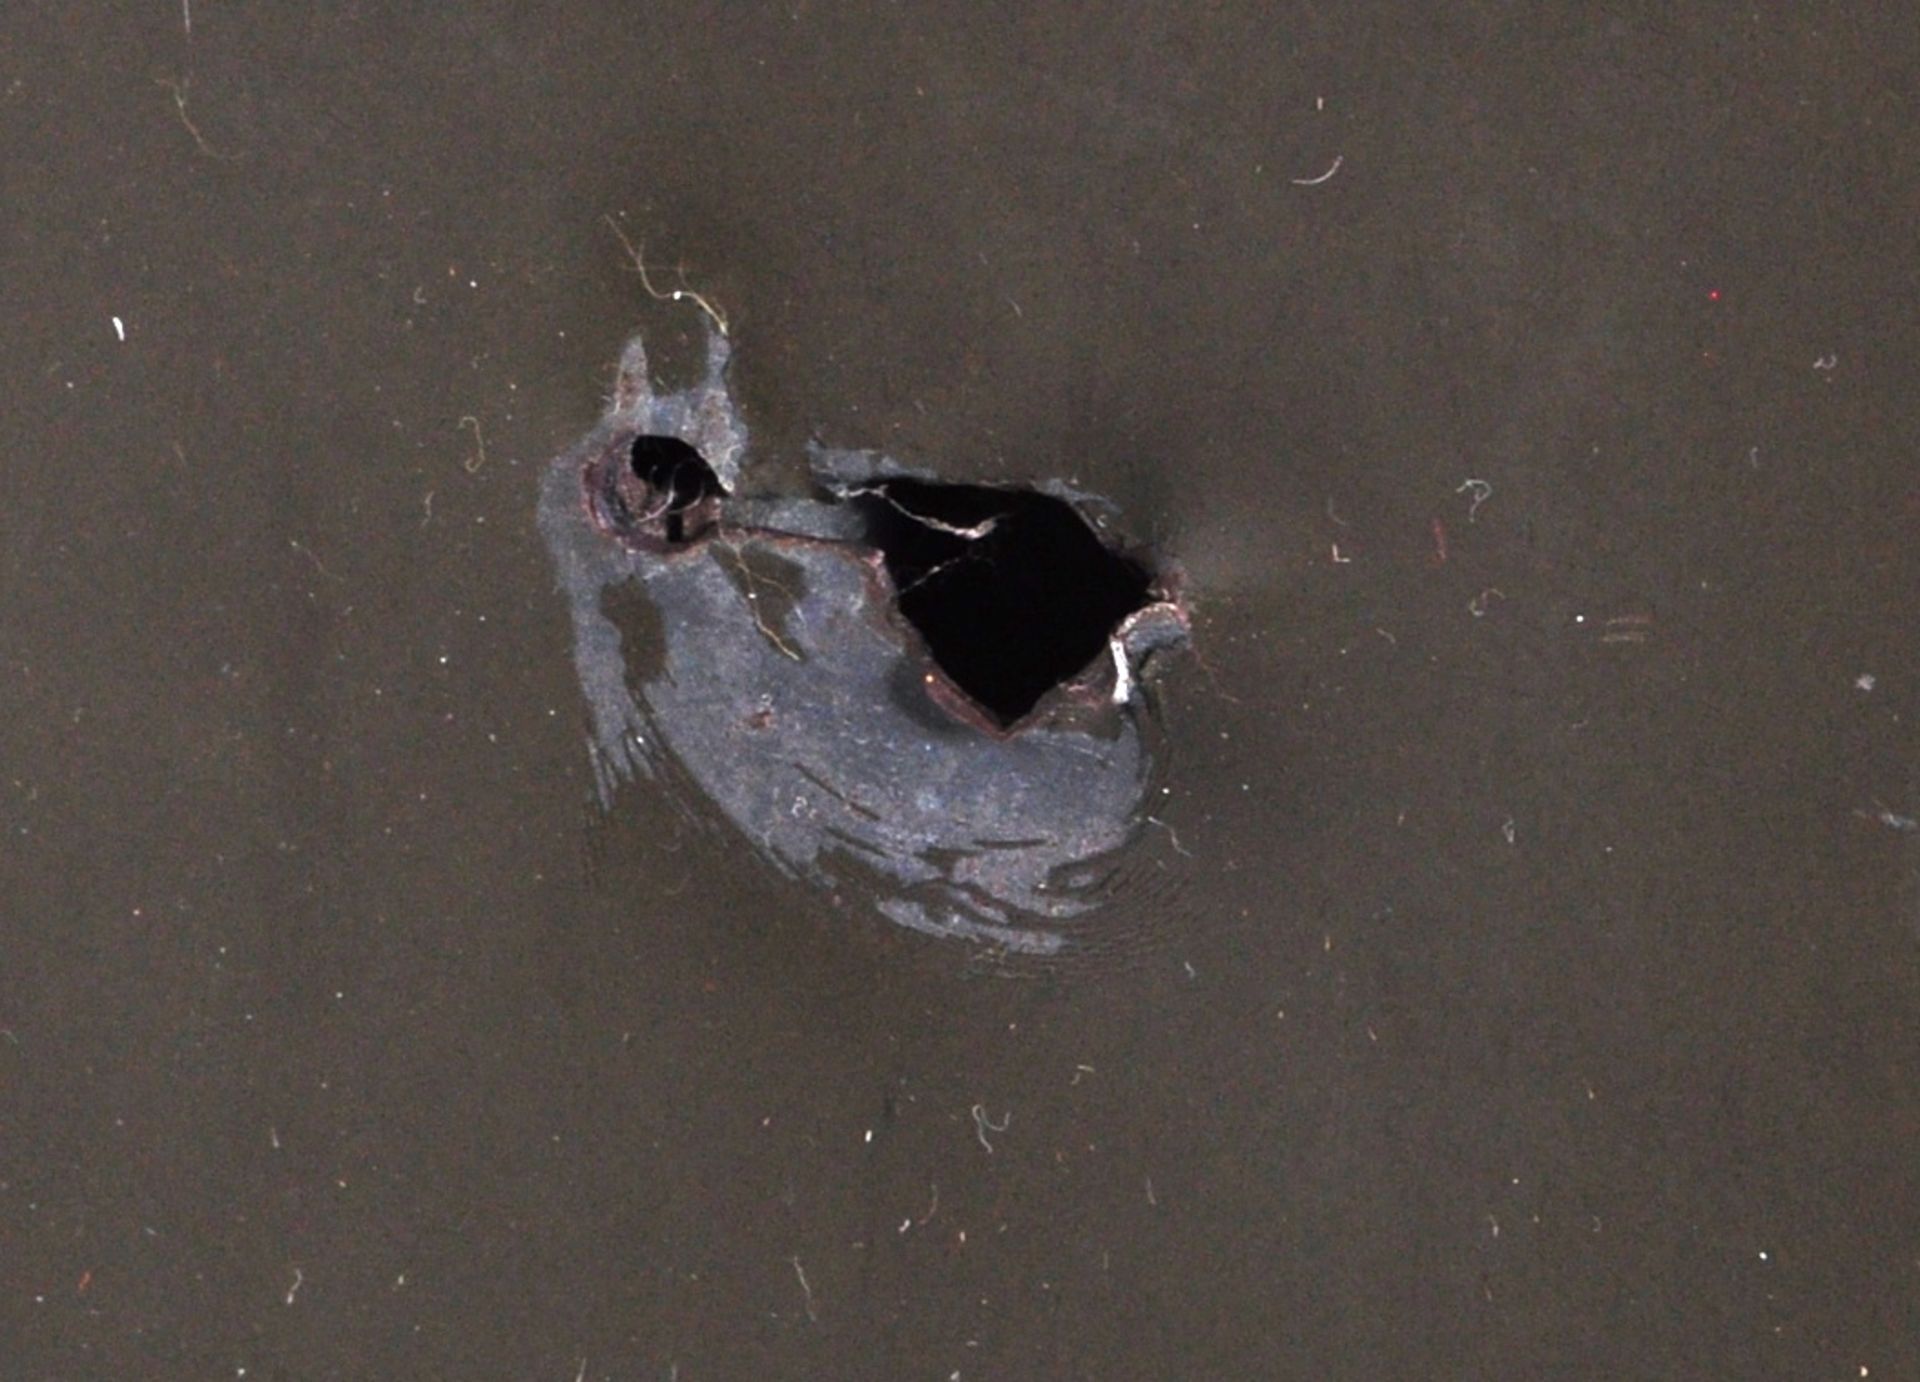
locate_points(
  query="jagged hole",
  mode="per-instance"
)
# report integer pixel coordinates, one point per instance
(1012, 590)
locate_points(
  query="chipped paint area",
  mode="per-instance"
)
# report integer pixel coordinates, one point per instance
(788, 691)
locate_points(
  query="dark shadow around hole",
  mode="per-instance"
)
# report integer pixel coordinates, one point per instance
(1012, 590)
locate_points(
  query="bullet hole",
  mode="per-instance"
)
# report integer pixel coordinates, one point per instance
(1012, 590)
(666, 492)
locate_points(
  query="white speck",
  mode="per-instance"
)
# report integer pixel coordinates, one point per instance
(1892, 820)
(293, 1290)
(869, 1136)
(1865, 681)
(119, 328)
(1122, 672)
(1830, 361)
(1763, 1257)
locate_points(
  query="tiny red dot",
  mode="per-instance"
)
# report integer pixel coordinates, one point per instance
(1713, 295)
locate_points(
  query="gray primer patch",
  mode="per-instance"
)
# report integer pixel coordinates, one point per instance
(793, 694)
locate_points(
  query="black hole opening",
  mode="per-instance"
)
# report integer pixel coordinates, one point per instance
(675, 478)
(1012, 590)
